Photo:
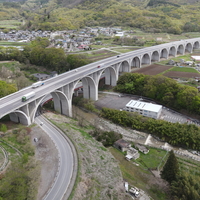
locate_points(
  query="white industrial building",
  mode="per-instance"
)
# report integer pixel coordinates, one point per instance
(145, 109)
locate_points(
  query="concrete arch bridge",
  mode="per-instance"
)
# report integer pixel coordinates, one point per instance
(62, 87)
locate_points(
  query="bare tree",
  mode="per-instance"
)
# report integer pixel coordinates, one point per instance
(22, 82)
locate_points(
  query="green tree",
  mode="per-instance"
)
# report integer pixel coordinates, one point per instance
(6, 89)
(75, 61)
(171, 168)
(186, 187)
(15, 185)
(40, 42)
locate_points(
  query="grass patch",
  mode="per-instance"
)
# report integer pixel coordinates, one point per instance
(153, 158)
(103, 148)
(98, 53)
(97, 46)
(85, 134)
(8, 148)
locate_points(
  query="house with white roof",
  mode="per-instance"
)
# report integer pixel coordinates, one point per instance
(144, 108)
(120, 34)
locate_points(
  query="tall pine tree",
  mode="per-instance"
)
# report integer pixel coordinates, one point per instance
(171, 168)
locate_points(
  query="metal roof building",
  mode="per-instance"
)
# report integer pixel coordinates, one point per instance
(145, 109)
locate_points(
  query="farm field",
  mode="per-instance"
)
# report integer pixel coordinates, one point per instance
(152, 69)
(125, 49)
(10, 24)
(178, 74)
(6, 43)
(184, 69)
(182, 72)
(99, 55)
(169, 71)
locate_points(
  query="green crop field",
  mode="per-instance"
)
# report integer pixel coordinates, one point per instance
(184, 69)
(9, 24)
(6, 43)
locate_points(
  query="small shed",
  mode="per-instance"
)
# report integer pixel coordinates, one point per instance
(142, 148)
(171, 62)
(53, 74)
(122, 145)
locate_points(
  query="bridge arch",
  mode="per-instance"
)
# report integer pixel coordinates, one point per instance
(19, 116)
(111, 76)
(124, 66)
(196, 45)
(188, 48)
(90, 89)
(164, 53)
(180, 50)
(135, 63)
(155, 56)
(61, 103)
(172, 51)
(146, 59)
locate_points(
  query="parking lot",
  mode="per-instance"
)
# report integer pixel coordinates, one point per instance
(118, 101)
(174, 117)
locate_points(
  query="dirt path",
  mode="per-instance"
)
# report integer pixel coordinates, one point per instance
(46, 153)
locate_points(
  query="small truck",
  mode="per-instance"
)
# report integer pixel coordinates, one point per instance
(37, 84)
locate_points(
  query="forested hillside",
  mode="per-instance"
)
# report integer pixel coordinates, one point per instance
(172, 16)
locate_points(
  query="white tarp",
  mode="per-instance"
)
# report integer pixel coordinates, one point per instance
(196, 57)
(128, 157)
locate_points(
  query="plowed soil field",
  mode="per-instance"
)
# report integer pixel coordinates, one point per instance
(152, 69)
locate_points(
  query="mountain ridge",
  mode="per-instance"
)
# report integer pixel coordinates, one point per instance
(154, 16)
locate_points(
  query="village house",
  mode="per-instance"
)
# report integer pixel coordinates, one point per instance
(41, 77)
(142, 148)
(132, 154)
(122, 145)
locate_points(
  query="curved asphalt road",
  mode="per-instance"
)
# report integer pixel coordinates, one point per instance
(66, 161)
